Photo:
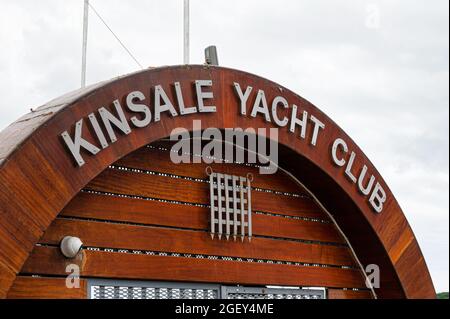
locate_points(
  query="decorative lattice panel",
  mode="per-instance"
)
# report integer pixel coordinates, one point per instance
(145, 291)
(121, 289)
(231, 210)
(269, 293)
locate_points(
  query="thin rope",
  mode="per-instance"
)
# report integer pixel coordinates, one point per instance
(117, 38)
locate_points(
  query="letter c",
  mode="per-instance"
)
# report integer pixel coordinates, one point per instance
(339, 142)
(279, 100)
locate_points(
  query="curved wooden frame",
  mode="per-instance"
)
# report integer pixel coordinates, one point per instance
(38, 176)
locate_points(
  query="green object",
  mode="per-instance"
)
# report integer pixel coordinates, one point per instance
(442, 295)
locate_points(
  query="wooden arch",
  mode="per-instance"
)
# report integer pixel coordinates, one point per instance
(38, 175)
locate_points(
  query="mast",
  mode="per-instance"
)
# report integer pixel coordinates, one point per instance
(84, 50)
(186, 32)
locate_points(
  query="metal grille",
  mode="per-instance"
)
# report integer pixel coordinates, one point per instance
(231, 212)
(271, 293)
(122, 289)
(100, 289)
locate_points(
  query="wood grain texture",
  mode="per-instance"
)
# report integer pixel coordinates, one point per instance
(7, 277)
(175, 215)
(348, 294)
(45, 288)
(159, 161)
(193, 242)
(37, 172)
(46, 261)
(138, 211)
(162, 187)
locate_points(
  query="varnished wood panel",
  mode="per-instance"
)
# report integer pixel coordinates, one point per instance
(182, 216)
(348, 294)
(155, 186)
(136, 211)
(193, 242)
(39, 178)
(295, 229)
(46, 288)
(146, 267)
(7, 277)
(159, 161)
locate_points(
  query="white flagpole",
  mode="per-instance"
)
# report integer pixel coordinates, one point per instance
(85, 35)
(186, 31)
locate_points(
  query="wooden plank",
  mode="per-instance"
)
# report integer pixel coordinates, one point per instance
(46, 261)
(348, 294)
(45, 288)
(193, 242)
(139, 211)
(7, 277)
(109, 208)
(13, 247)
(159, 161)
(154, 186)
(274, 226)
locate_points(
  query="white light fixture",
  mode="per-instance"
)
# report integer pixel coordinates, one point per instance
(70, 246)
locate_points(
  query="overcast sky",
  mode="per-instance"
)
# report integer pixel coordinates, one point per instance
(381, 63)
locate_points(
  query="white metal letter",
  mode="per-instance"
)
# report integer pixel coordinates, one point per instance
(183, 109)
(78, 142)
(138, 108)
(166, 106)
(348, 169)
(98, 131)
(365, 190)
(318, 125)
(243, 96)
(201, 96)
(295, 121)
(260, 106)
(279, 100)
(378, 198)
(339, 142)
(108, 119)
